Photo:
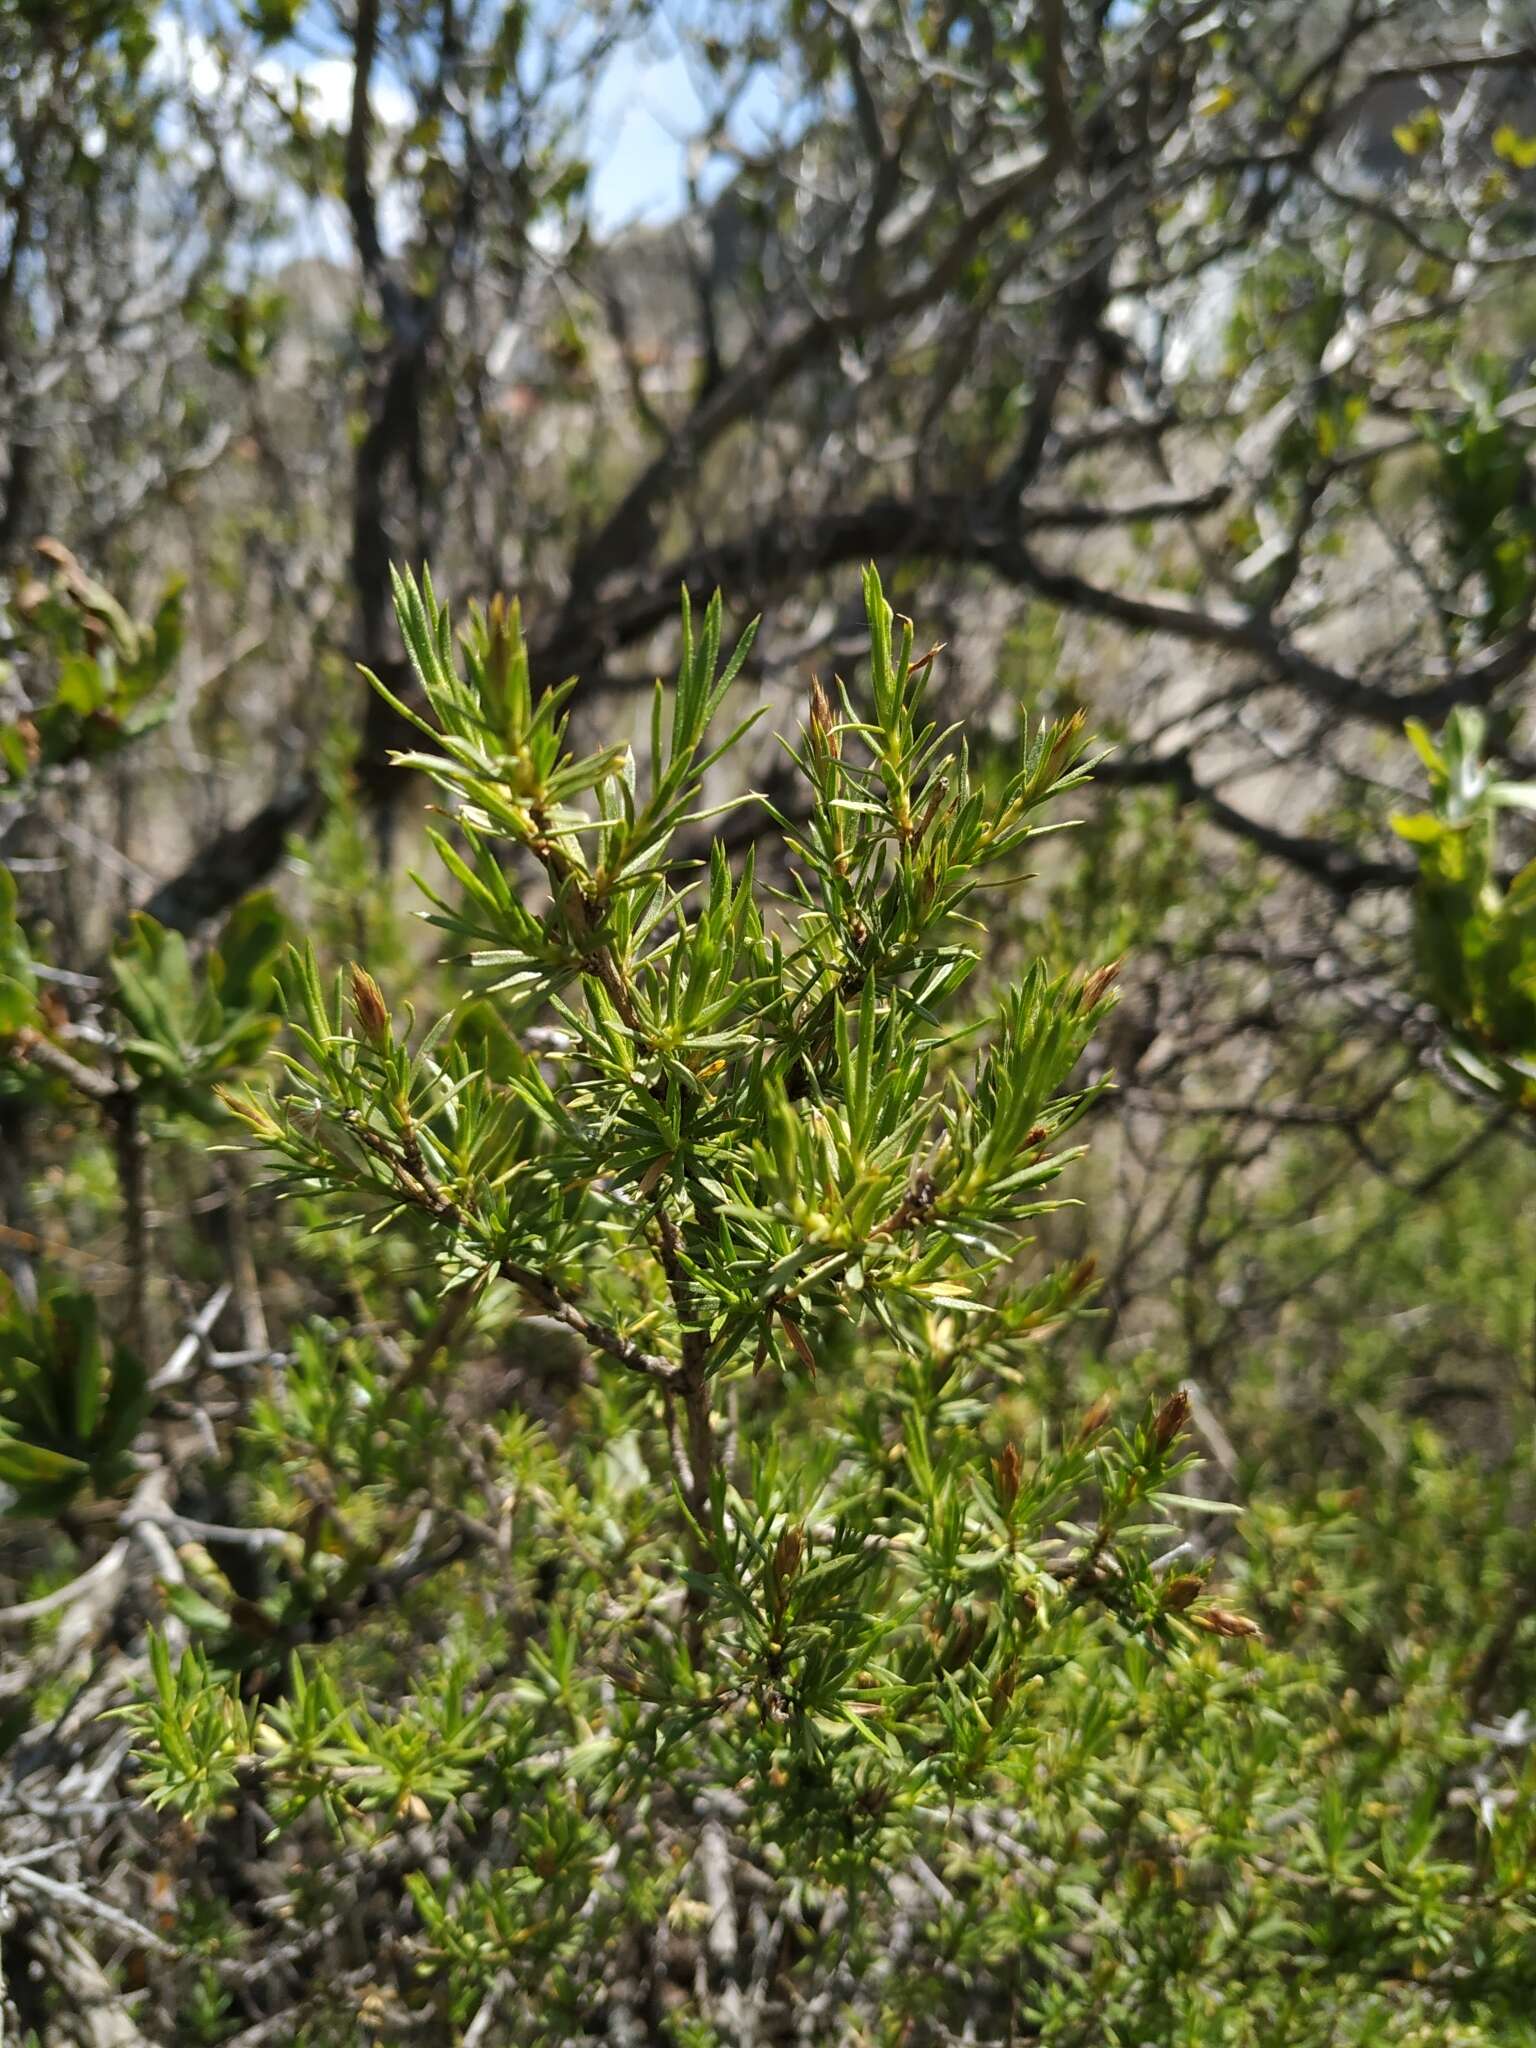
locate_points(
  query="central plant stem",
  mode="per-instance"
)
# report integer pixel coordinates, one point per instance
(697, 1482)
(696, 1467)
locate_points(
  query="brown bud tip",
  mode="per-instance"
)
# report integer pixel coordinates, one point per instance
(965, 1636)
(1168, 1423)
(372, 1014)
(1097, 985)
(1096, 1417)
(1220, 1621)
(821, 724)
(1180, 1593)
(796, 1336)
(787, 1554)
(1009, 1467)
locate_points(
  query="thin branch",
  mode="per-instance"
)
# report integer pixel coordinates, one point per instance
(27, 1611)
(38, 1051)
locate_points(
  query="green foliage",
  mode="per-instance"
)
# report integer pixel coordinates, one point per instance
(1482, 487)
(745, 1148)
(201, 1735)
(622, 1553)
(795, 1557)
(188, 1028)
(17, 983)
(243, 328)
(779, 1082)
(1286, 312)
(1476, 934)
(185, 1025)
(107, 670)
(71, 1400)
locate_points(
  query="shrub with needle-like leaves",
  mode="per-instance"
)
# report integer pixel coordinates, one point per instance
(783, 1558)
